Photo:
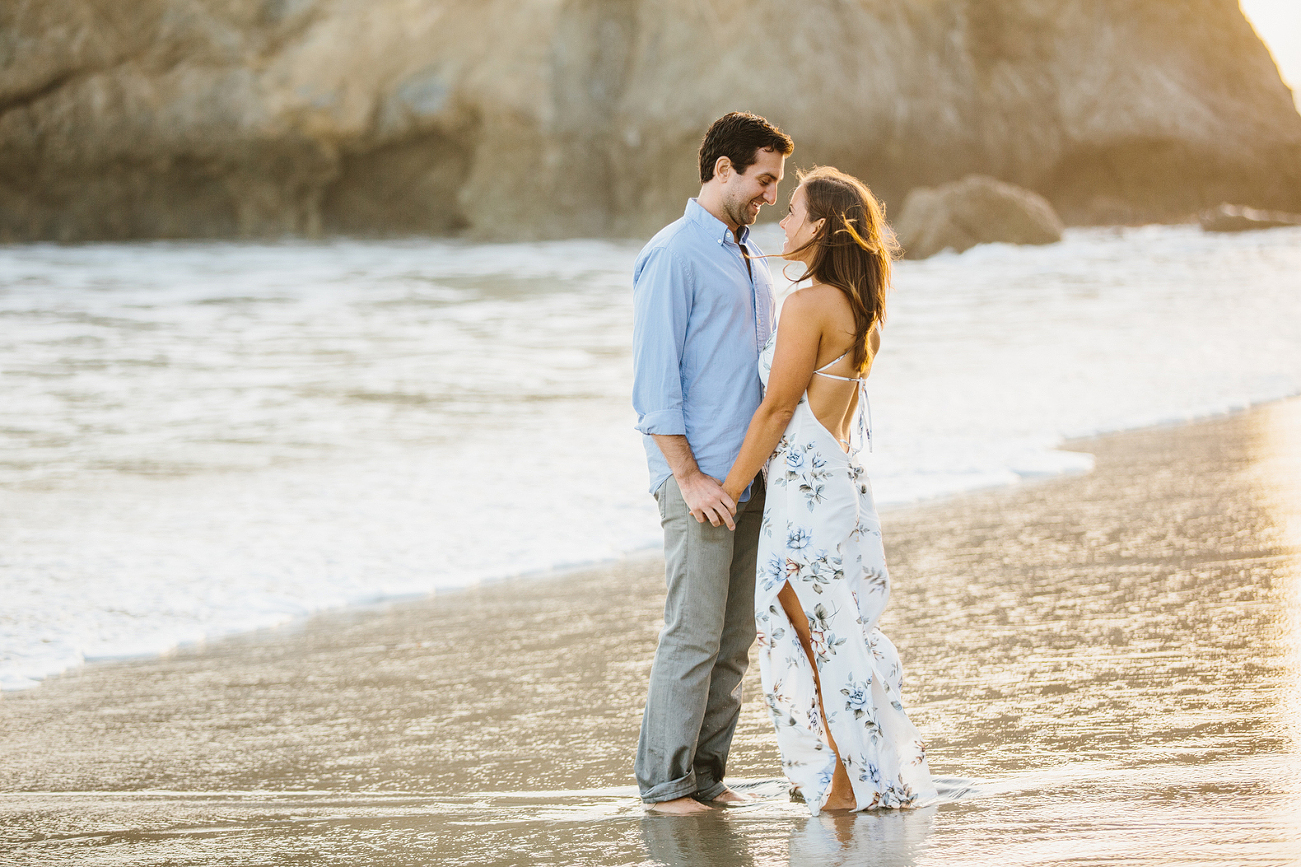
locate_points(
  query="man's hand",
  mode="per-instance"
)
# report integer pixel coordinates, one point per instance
(703, 494)
(707, 500)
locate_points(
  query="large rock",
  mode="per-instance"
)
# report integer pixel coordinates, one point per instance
(1236, 218)
(550, 118)
(975, 210)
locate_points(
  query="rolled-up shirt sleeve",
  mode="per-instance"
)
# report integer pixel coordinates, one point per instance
(661, 310)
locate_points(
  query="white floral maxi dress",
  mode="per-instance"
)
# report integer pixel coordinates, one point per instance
(821, 535)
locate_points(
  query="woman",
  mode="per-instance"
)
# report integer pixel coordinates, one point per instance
(830, 677)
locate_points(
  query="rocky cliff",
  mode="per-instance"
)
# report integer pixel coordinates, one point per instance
(549, 118)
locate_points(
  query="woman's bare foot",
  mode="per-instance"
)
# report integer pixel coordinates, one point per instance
(678, 807)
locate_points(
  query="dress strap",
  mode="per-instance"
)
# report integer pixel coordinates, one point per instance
(866, 408)
(864, 405)
(819, 371)
(841, 378)
(831, 362)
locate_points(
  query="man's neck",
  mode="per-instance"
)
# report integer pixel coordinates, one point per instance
(710, 199)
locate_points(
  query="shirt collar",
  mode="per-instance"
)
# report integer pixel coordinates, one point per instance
(714, 227)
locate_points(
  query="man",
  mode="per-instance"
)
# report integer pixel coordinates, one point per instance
(703, 310)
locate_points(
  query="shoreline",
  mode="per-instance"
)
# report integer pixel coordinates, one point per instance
(560, 571)
(1098, 646)
(148, 538)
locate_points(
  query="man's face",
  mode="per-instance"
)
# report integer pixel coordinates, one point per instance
(745, 194)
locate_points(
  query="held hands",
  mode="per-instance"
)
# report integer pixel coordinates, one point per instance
(707, 500)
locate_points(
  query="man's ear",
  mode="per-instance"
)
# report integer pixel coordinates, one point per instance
(722, 167)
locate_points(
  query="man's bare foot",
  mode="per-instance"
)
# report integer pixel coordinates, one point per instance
(734, 799)
(678, 807)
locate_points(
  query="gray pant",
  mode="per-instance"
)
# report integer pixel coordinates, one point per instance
(695, 686)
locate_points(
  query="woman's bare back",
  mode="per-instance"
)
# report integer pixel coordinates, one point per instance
(833, 390)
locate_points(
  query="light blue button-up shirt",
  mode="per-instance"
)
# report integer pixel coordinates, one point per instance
(700, 318)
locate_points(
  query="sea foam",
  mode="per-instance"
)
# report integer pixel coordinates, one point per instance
(201, 439)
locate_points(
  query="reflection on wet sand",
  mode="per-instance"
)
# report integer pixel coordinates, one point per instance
(884, 839)
(1116, 657)
(695, 841)
(892, 839)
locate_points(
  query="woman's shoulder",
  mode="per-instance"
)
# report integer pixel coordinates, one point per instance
(818, 301)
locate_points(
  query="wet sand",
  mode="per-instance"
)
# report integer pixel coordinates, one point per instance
(1111, 662)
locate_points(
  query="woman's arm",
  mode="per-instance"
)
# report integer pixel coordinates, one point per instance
(794, 360)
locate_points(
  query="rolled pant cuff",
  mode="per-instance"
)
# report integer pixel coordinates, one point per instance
(670, 791)
(712, 792)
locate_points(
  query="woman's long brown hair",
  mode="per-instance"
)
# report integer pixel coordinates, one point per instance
(853, 250)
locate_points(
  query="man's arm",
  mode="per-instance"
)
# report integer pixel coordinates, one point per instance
(703, 494)
(662, 299)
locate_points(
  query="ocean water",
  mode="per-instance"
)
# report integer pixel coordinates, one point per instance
(200, 438)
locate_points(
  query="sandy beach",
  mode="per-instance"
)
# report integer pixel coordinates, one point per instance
(324, 531)
(1105, 667)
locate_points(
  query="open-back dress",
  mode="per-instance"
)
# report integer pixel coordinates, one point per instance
(821, 535)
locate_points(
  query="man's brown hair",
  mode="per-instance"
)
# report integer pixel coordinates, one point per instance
(739, 136)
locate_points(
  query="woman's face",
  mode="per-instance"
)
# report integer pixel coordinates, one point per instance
(799, 230)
